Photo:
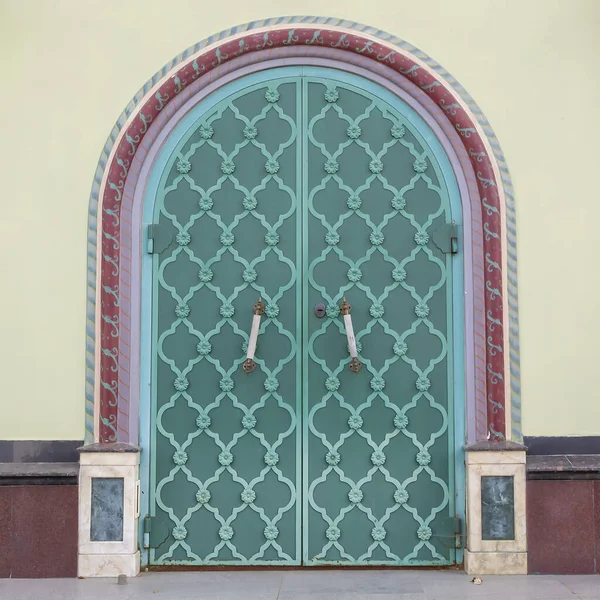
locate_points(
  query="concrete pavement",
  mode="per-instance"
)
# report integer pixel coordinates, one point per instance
(307, 585)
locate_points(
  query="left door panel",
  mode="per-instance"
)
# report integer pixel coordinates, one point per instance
(225, 473)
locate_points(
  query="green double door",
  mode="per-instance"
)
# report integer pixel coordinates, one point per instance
(302, 189)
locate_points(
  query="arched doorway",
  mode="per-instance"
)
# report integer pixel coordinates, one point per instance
(304, 186)
(122, 345)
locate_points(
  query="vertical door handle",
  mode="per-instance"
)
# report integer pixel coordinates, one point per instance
(345, 309)
(259, 310)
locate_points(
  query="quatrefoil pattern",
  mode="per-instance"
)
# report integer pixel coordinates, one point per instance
(226, 443)
(381, 436)
(302, 191)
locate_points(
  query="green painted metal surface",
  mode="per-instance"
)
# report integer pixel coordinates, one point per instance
(227, 446)
(302, 190)
(376, 469)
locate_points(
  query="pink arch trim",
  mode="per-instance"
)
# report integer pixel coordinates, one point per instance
(112, 367)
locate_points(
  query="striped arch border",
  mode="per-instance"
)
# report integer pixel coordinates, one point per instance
(107, 362)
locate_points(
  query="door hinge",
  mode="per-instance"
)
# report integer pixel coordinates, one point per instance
(159, 239)
(155, 532)
(450, 532)
(446, 238)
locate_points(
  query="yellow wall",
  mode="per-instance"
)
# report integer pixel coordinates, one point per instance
(69, 67)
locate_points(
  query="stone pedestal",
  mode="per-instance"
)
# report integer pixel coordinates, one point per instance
(496, 517)
(108, 511)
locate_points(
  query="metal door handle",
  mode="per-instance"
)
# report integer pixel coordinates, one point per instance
(259, 310)
(345, 309)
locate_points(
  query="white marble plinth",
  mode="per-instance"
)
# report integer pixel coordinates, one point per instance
(98, 558)
(495, 556)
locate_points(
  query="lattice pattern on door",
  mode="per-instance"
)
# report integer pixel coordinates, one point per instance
(374, 484)
(227, 445)
(301, 191)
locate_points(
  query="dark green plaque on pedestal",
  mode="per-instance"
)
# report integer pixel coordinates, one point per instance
(107, 509)
(497, 508)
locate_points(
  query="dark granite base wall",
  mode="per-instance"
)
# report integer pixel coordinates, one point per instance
(38, 531)
(35, 451)
(551, 445)
(563, 526)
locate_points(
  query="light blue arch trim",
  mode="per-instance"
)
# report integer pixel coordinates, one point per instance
(94, 218)
(456, 425)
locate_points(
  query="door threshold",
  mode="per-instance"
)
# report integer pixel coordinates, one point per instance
(162, 568)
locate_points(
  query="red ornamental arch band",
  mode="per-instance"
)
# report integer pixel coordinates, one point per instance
(111, 371)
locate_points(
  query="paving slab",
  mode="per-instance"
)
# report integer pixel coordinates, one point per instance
(460, 586)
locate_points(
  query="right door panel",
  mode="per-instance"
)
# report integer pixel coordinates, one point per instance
(378, 445)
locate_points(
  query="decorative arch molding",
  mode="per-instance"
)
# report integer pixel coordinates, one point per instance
(114, 234)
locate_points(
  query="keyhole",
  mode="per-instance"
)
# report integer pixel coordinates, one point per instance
(320, 310)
